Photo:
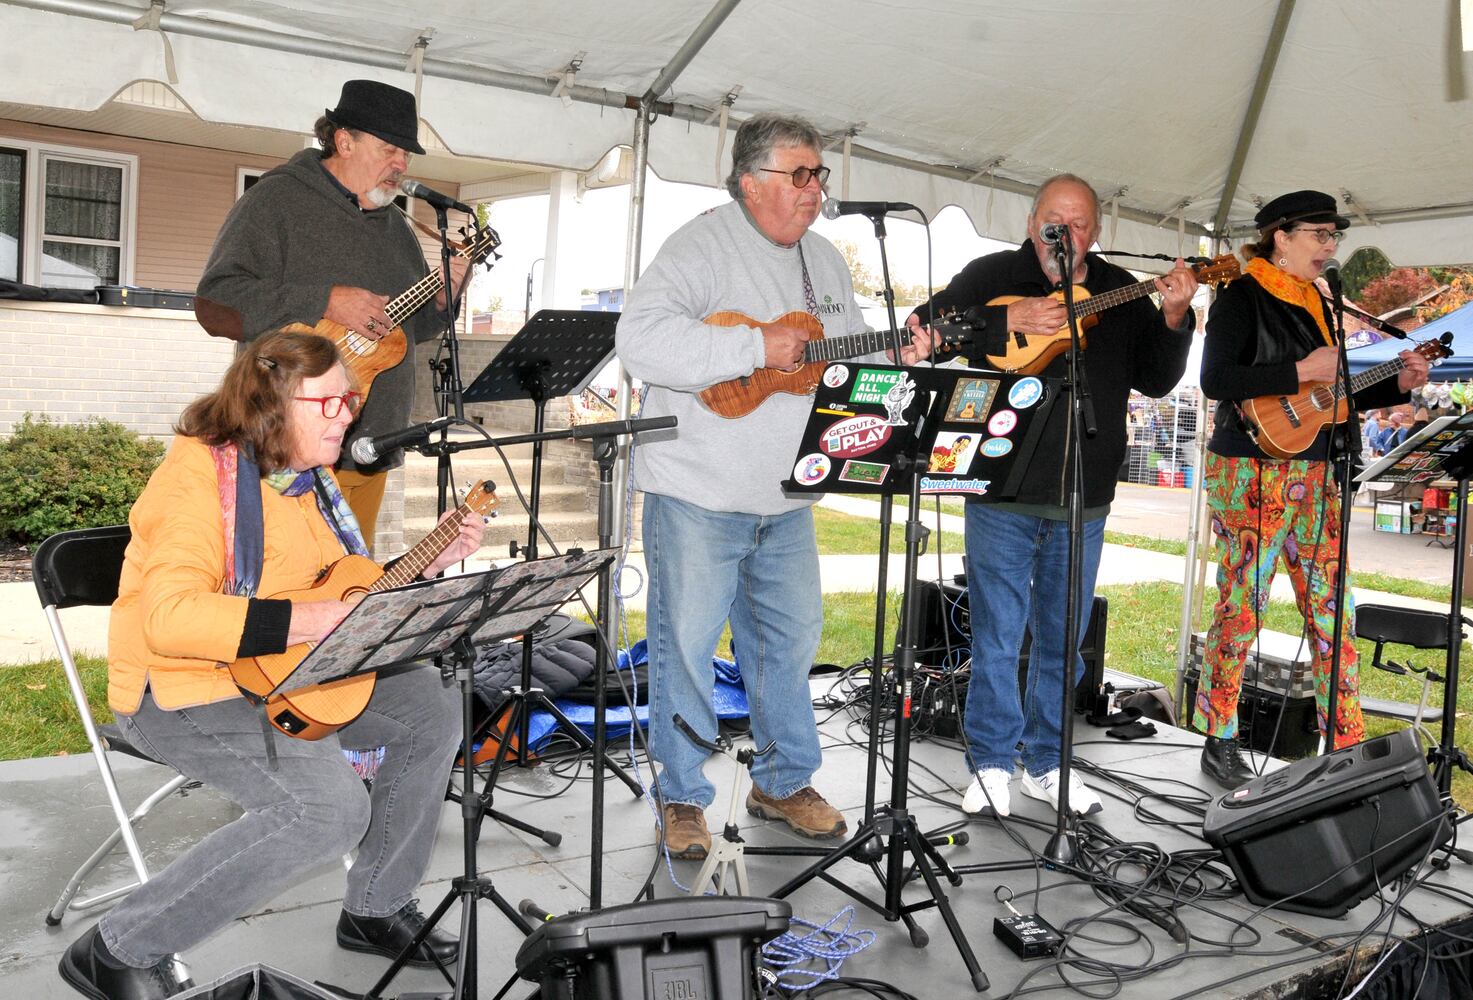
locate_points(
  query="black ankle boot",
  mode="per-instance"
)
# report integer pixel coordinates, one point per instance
(390, 935)
(91, 969)
(1222, 759)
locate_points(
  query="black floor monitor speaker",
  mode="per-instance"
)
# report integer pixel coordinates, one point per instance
(1323, 833)
(688, 948)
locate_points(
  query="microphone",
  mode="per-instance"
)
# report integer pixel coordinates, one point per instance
(1331, 271)
(366, 451)
(1053, 233)
(432, 197)
(833, 208)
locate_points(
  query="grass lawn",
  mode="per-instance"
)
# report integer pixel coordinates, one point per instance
(846, 534)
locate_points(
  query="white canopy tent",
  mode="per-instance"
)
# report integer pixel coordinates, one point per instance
(1185, 114)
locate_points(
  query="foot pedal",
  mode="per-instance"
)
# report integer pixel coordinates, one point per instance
(1027, 935)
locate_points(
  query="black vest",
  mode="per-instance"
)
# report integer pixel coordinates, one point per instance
(1283, 333)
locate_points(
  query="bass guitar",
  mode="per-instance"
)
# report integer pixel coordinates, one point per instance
(311, 713)
(366, 358)
(739, 396)
(1283, 426)
(1030, 353)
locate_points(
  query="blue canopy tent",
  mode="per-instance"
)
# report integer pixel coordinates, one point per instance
(1453, 369)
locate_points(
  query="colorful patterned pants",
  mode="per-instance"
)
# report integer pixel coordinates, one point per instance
(1260, 511)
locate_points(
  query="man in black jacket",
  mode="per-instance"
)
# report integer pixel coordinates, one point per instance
(1017, 552)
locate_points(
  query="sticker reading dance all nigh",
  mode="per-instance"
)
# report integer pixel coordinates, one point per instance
(863, 472)
(871, 384)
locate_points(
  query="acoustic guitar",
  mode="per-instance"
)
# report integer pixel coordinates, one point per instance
(366, 358)
(1283, 426)
(739, 396)
(1030, 353)
(311, 713)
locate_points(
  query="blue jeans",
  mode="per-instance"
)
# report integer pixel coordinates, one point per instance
(310, 810)
(761, 574)
(1017, 570)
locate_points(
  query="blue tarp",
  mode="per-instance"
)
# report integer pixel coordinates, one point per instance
(1459, 367)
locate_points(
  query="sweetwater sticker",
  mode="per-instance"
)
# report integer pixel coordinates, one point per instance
(1002, 423)
(1025, 392)
(812, 469)
(863, 472)
(996, 447)
(977, 487)
(854, 437)
(835, 375)
(871, 384)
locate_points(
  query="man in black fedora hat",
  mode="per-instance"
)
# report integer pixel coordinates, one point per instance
(319, 238)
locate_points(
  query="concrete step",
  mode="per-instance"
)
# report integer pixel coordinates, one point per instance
(565, 527)
(421, 472)
(423, 501)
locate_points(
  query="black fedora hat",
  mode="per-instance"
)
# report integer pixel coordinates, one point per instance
(1299, 206)
(380, 110)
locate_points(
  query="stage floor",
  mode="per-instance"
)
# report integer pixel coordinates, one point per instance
(53, 813)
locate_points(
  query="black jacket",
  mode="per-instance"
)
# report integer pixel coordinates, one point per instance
(1130, 348)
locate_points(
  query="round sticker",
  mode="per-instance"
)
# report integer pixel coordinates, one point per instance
(854, 436)
(1002, 422)
(1025, 392)
(835, 376)
(996, 447)
(812, 469)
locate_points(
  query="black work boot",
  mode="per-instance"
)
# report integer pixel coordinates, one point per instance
(390, 935)
(93, 971)
(1222, 760)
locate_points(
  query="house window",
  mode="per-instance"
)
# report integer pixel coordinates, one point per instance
(66, 216)
(12, 191)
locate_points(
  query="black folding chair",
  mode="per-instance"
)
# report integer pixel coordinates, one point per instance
(75, 569)
(1413, 627)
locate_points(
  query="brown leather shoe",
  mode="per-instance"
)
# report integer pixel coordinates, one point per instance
(805, 811)
(685, 831)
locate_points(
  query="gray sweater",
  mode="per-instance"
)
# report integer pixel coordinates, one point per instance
(720, 261)
(293, 236)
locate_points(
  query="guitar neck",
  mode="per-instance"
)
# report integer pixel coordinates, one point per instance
(426, 288)
(409, 568)
(1114, 297)
(848, 346)
(1370, 377)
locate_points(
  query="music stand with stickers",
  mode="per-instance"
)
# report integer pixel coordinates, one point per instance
(391, 631)
(883, 429)
(1441, 450)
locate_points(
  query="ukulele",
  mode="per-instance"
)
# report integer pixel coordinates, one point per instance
(1283, 426)
(367, 359)
(1030, 353)
(311, 713)
(739, 396)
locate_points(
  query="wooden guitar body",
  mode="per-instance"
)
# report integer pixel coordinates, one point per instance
(365, 358)
(1030, 353)
(739, 396)
(313, 712)
(1286, 425)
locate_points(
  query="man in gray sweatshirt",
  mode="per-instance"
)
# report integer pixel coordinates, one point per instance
(320, 238)
(723, 543)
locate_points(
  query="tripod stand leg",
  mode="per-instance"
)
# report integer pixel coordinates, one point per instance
(581, 738)
(918, 850)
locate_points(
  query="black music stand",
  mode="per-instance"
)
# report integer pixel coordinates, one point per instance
(1442, 449)
(450, 618)
(556, 353)
(936, 430)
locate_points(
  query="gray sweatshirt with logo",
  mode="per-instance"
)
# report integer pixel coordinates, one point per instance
(719, 261)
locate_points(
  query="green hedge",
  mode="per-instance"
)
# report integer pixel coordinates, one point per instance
(55, 476)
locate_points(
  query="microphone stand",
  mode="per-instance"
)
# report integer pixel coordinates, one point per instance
(1063, 846)
(1344, 467)
(448, 385)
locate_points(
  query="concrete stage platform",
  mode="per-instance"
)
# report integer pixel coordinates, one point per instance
(53, 812)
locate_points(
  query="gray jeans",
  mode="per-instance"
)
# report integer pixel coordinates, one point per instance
(309, 811)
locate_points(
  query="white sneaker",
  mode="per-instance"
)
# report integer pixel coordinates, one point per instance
(989, 788)
(1081, 799)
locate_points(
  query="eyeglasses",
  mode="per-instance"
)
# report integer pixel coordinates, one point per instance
(1323, 236)
(333, 405)
(802, 175)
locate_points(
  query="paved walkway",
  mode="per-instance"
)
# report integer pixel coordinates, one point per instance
(1140, 510)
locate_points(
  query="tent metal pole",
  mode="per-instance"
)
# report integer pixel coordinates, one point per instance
(1255, 107)
(693, 45)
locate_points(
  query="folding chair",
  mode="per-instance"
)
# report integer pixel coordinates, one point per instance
(1413, 627)
(74, 569)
